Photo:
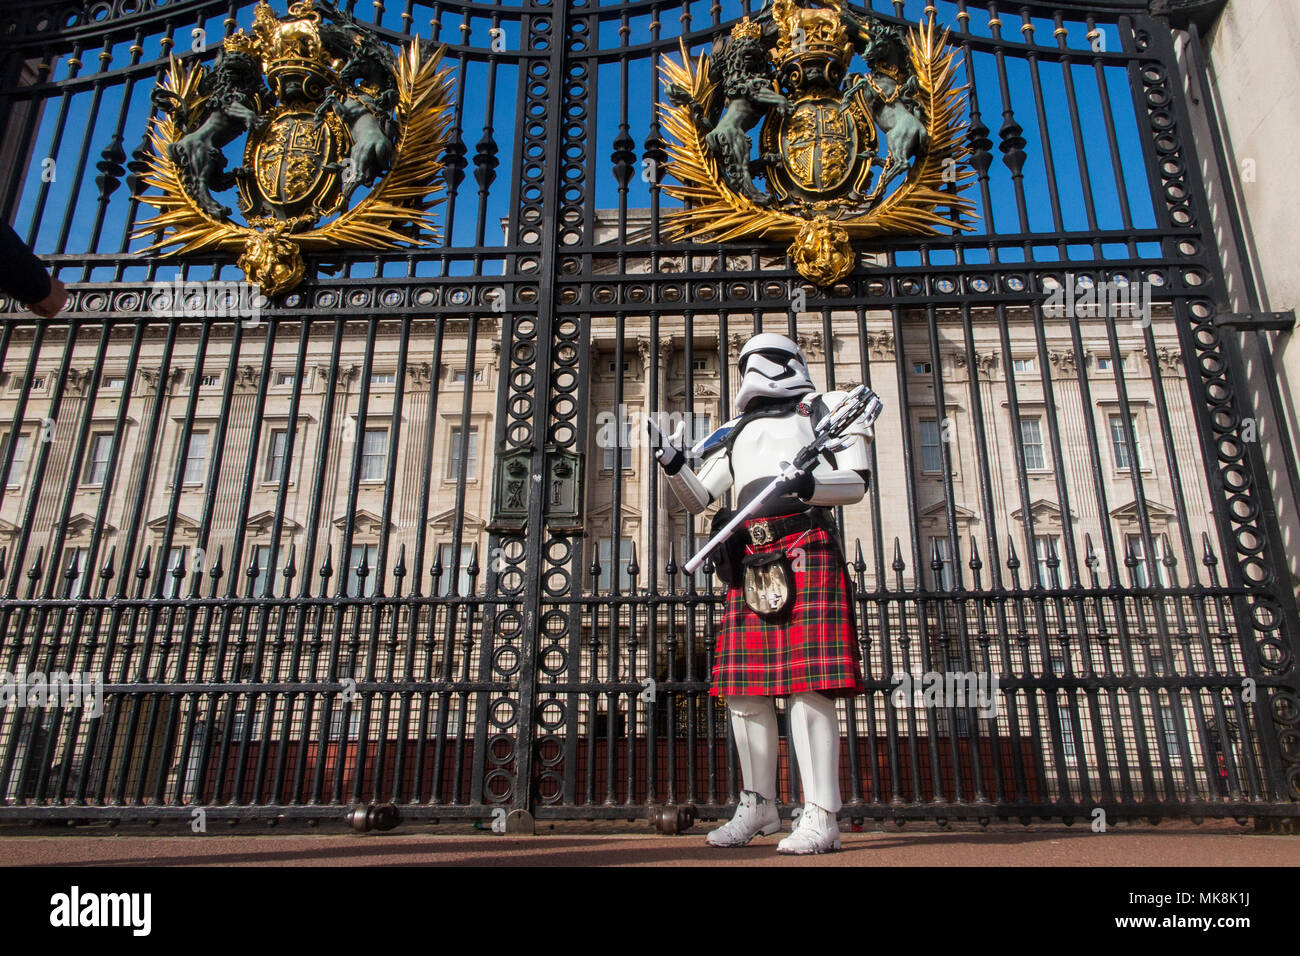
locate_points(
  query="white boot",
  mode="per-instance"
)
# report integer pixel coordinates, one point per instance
(755, 816)
(816, 832)
(753, 720)
(815, 737)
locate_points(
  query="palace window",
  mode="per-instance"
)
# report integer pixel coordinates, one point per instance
(1067, 733)
(1119, 442)
(931, 454)
(1170, 729)
(1058, 662)
(74, 558)
(354, 722)
(458, 449)
(275, 454)
(355, 586)
(1142, 573)
(1031, 442)
(196, 459)
(701, 427)
(374, 453)
(101, 446)
(260, 555)
(684, 553)
(944, 580)
(173, 586)
(1045, 545)
(624, 440)
(239, 725)
(446, 555)
(22, 447)
(605, 554)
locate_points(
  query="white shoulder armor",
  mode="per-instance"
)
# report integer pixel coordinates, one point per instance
(714, 441)
(833, 400)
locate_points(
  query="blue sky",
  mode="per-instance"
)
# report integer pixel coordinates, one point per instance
(1055, 138)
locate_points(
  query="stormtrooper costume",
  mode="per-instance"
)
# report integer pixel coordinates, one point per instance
(810, 654)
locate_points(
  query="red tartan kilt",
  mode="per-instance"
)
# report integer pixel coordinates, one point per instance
(815, 647)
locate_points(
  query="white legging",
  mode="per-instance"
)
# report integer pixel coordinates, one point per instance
(814, 733)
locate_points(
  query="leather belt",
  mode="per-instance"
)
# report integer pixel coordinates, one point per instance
(767, 530)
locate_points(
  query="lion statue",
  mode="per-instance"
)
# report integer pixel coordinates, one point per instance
(233, 90)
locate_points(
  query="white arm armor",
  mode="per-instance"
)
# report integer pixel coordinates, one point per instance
(846, 483)
(697, 492)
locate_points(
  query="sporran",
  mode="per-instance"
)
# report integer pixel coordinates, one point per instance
(768, 583)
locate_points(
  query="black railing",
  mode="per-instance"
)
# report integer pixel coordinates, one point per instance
(278, 542)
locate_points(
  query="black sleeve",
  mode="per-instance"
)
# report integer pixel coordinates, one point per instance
(22, 275)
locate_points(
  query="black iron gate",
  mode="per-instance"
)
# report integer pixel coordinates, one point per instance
(397, 539)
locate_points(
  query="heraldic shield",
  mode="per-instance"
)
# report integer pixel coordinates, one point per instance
(292, 157)
(819, 149)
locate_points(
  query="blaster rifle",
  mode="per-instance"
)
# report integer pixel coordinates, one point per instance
(861, 402)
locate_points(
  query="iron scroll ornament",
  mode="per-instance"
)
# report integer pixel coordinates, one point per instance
(821, 136)
(341, 111)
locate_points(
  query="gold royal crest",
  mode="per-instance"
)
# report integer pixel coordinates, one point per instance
(327, 108)
(824, 129)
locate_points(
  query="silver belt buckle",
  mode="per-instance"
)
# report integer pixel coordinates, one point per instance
(760, 533)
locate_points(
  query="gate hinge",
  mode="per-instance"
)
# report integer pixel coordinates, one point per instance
(1258, 321)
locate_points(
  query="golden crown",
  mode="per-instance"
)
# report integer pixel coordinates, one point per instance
(816, 32)
(746, 29)
(241, 43)
(887, 69)
(291, 45)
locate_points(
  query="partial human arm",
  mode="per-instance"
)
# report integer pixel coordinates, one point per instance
(23, 276)
(696, 491)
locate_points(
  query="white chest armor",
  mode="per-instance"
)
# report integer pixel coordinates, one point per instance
(756, 455)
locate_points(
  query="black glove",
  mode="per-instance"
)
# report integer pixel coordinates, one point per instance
(670, 456)
(803, 484)
(670, 459)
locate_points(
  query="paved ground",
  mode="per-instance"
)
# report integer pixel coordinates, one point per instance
(1212, 844)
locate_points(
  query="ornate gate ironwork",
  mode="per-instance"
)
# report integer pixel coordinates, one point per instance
(394, 540)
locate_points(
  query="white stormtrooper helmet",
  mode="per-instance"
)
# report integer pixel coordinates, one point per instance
(771, 366)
